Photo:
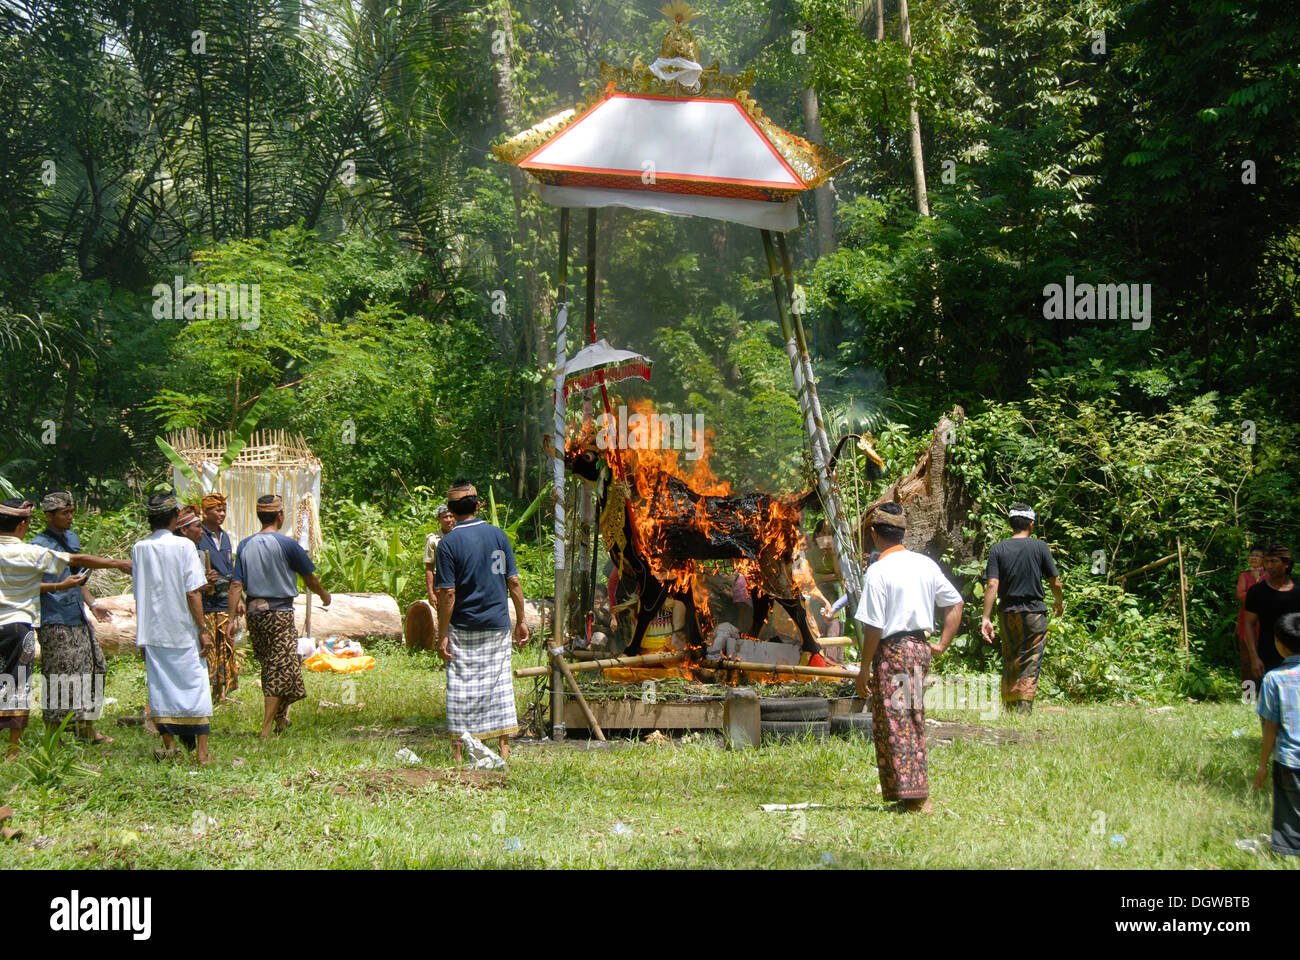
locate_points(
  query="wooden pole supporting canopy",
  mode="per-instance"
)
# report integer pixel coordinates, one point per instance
(796, 348)
(559, 624)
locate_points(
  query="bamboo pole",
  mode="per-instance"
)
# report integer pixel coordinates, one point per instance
(791, 669)
(643, 660)
(557, 655)
(557, 467)
(1182, 589)
(796, 348)
(1150, 566)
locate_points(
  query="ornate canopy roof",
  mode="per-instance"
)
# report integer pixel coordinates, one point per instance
(674, 137)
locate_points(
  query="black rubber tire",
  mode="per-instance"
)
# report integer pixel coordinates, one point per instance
(795, 729)
(794, 708)
(851, 725)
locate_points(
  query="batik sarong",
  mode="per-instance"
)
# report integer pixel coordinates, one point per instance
(1024, 636)
(180, 698)
(223, 667)
(72, 673)
(480, 689)
(275, 644)
(898, 673)
(17, 651)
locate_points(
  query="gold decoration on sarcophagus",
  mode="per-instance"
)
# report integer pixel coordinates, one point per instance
(612, 528)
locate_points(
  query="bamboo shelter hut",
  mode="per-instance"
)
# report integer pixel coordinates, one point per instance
(274, 461)
(678, 138)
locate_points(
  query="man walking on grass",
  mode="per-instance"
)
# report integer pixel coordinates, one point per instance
(1016, 569)
(899, 593)
(169, 581)
(267, 567)
(476, 569)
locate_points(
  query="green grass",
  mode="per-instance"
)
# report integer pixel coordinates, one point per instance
(1173, 785)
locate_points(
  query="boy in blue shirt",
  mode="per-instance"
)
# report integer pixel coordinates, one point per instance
(1279, 711)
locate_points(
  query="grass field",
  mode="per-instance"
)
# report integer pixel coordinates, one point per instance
(1092, 787)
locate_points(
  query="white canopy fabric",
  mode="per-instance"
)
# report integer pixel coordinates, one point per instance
(700, 147)
(751, 213)
(243, 484)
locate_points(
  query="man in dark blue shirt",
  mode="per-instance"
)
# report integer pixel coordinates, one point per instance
(475, 571)
(219, 563)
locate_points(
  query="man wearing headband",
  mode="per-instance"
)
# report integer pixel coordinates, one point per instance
(169, 585)
(1016, 568)
(188, 525)
(900, 591)
(476, 570)
(22, 565)
(72, 663)
(1272, 598)
(446, 520)
(267, 567)
(219, 559)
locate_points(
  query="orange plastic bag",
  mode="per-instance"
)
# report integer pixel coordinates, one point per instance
(323, 661)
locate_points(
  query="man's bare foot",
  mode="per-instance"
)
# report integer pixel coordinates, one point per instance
(12, 754)
(265, 734)
(203, 759)
(919, 805)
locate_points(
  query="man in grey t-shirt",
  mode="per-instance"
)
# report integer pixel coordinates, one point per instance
(1016, 569)
(267, 567)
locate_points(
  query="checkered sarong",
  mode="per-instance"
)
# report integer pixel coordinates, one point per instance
(480, 690)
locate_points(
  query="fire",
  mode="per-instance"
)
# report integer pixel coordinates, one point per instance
(684, 516)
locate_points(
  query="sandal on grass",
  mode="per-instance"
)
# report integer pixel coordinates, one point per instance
(163, 753)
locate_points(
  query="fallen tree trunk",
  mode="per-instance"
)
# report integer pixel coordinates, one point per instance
(351, 615)
(420, 628)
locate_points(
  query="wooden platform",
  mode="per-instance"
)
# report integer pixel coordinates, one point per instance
(668, 715)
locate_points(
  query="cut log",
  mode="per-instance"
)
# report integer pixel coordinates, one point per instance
(351, 615)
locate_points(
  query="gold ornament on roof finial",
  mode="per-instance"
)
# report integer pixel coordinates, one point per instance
(678, 11)
(678, 42)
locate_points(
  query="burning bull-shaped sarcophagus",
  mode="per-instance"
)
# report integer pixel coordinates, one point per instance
(665, 526)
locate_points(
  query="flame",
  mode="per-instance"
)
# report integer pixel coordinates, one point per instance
(680, 509)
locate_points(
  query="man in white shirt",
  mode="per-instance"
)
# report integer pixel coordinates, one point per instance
(899, 593)
(170, 627)
(446, 520)
(22, 565)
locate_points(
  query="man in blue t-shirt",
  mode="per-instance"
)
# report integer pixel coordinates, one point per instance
(475, 572)
(267, 567)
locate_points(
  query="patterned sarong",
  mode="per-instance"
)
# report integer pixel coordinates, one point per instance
(17, 651)
(223, 668)
(275, 644)
(480, 690)
(180, 700)
(898, 674)
(72, 673)
(1024, 636)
